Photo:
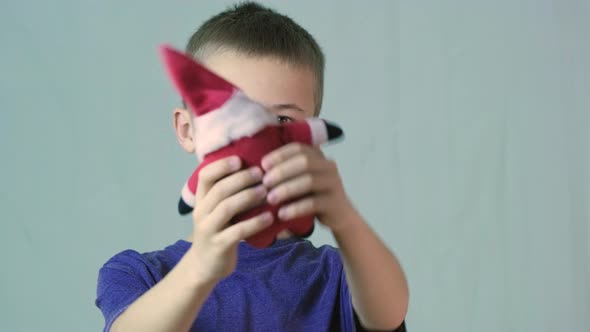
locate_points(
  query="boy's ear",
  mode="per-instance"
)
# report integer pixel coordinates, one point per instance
(183, 126)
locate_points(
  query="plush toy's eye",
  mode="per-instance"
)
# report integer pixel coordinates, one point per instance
(284, 119)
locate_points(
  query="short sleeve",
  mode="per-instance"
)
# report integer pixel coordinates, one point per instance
(121, 280)
(346, 311)
(360, 328)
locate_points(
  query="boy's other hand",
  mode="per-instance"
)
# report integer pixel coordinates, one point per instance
(301, 171)
(224, 191)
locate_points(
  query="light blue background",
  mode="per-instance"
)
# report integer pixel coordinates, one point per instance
(467, 150)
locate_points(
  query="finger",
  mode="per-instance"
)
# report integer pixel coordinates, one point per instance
(281, 154)
(310, 205)
(317, 150)
(231, 206)
(296, 165)
(214, 171)
(245, 229)
(297, 187)
(230, 185)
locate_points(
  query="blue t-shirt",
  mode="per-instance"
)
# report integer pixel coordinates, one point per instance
(290, 286)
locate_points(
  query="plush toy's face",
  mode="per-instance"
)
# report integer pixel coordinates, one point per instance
(286, 90)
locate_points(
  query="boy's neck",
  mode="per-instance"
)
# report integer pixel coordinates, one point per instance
(284, 234)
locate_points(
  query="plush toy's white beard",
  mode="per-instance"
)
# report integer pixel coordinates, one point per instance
(238, 117)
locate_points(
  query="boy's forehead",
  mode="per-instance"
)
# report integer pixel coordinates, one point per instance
(266, 79)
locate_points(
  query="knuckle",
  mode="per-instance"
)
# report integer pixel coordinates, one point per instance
(306, 208)
(225, 209)
(207, 175)
(274, 158)
(227, 164)
(311, 204)
(314, 204)
(295, 210)
(200, 226)
(213, 193)
(278, 173)
(301, 207)
(246, 177)
(298, 147)
(261, 217)
(291, 210)
(240, 233)
(305, 161)
(247, 196)
(283, 191)
(197, 212)
(241, 179)
(213, 171)
(220, 190)
(253, 195)
(308, 180)
(196, 221)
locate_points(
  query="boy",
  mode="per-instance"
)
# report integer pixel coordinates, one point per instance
(213, 280)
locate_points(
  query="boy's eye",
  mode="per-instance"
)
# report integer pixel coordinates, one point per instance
(284, 119)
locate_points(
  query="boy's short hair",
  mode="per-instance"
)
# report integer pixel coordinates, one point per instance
(254, 30)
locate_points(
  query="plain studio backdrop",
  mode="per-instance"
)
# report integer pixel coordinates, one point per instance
(467, 150)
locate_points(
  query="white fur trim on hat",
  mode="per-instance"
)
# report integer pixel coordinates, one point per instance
(187, 196)
(319, 131)
(238, 117)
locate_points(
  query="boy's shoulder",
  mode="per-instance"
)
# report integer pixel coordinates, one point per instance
(154, 265)
(132, 261)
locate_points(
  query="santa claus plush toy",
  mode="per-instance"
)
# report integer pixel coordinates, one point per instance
(228, 123)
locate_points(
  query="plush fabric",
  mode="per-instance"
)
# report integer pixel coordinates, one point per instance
(228, 123)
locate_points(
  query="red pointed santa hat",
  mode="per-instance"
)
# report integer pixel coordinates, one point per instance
(222, 110)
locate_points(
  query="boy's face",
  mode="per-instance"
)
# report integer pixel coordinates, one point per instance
(286, 90)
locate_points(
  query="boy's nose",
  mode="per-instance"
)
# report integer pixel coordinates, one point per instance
(333, 130)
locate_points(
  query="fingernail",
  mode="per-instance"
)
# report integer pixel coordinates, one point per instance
(267, 218)
(267, 180)
(282, 214)
(266, 164)
(234, 163)
(256, 172)
(272, 197)
(260, 191)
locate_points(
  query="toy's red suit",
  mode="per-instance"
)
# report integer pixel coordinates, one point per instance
(228, 123)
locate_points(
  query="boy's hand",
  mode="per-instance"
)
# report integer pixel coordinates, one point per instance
(222, 194)
(298, 170)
